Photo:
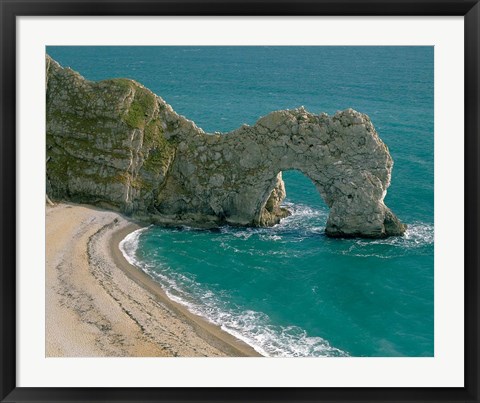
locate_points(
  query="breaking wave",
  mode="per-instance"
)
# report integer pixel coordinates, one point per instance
(254, 328)
(418, 239)
(283, 241)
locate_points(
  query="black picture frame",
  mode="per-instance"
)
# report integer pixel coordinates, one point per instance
(9, 10)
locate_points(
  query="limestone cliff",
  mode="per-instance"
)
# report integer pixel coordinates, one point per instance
(116, 144)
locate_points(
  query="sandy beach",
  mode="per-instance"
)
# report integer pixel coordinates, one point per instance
(97, 304)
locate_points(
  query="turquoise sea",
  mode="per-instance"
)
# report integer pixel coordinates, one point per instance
(289, 290)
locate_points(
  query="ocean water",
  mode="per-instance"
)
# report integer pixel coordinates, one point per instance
(289, 290)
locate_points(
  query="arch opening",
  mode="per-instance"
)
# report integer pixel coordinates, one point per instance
(292, 192)
(301, 190)
(345, 217)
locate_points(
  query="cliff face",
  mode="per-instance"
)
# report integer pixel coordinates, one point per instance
(116, 144)
(105, 141)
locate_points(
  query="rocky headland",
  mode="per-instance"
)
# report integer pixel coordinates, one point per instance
(117, 145)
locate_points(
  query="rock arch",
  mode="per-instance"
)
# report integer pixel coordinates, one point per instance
(117, 144)
(238, 174)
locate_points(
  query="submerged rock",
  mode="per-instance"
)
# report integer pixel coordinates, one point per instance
(117, 145)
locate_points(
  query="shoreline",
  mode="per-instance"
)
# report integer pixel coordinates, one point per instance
(98, 304)
(208, 331)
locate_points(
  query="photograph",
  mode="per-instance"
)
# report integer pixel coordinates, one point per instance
(239, 201)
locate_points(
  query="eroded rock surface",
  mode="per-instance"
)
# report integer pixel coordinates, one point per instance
(117, 145)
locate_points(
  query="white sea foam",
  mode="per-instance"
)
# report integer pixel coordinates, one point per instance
(304, 221)
(129, 245)
(254, 328)
(301, 214)
(418, 235)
